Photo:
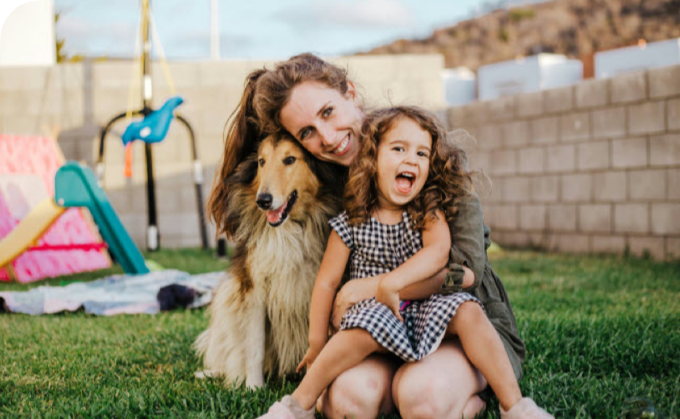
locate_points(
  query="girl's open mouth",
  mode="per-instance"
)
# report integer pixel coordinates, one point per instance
(405, 182)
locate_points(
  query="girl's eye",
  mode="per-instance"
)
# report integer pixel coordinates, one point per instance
(260, 162)
(398, 148)
(422, 154)
(327, 112)
(289, 160)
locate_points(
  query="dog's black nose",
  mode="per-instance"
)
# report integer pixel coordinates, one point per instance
(264, 201)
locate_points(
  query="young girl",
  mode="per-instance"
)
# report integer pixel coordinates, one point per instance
(403, 188)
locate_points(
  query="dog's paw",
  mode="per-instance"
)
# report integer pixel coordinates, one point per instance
(203, 374)
(255, 382)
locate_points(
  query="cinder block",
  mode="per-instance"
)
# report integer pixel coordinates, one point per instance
(562, 217)
(591, 93)
(476, 113)
(515, 133)
(559, 100)
(629, 87)
(167, 200)
(480, 160)
(577, 188)
(608, 244)
(672, 249)
(515, 239)
(529, 104)
(24, 78)
(666, 219)
(114, 75)
(489, 137)
(545, 188)
(516, 189)
(647, 118)
(545, 130)
(134, 223)
(532, 217)
(531, 160)
(503, 163)
(609, 186)
(664, 150)
(652, 246)
(184, 74)
(631, 152)
(593, 155)
(455, 117)
(496, 193)
(664, 82)
(182, 224)
(674, 184)
(506, 217)
(502, 108)
(561, 158)
(575, 126)
(647, 184)
(673, 109)
(572, 243)
(609, 123)
(596, 218)
(631, 218)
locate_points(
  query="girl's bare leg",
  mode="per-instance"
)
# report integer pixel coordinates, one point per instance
(442, 385)
(362, 392)
(343, 351)
(485, 350)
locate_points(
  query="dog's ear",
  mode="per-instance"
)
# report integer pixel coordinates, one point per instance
(229, 216)
(331, 176)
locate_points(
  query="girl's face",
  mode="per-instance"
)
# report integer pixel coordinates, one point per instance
(403, 163)
(325, 122)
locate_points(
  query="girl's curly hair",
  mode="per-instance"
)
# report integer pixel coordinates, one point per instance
(447, 181)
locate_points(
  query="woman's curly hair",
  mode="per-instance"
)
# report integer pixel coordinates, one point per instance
(447, 181)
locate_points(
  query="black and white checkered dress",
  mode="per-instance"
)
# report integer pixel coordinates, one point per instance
(378, 248)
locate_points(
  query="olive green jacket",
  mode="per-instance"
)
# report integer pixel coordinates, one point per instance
(469, 241)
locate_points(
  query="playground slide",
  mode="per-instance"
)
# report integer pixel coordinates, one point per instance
(31, 228)
(76, 186)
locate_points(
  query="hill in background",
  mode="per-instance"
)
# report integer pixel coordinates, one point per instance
(575, 28)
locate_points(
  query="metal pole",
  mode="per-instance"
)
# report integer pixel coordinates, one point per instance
(152, 235)
(215, 31)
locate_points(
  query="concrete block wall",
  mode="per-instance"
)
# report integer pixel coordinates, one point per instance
(591, 168)
(81, 98)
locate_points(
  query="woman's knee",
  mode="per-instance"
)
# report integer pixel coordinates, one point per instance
(363, 391)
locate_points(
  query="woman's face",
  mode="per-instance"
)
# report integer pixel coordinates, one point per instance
(324, 121)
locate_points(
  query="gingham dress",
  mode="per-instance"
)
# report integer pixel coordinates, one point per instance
(378, 248)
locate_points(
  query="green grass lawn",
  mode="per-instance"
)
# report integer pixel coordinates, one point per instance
(598, 331)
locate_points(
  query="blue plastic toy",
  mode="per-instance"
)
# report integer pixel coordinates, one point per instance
(154, 126)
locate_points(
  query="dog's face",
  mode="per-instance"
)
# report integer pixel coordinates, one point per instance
(286, 184)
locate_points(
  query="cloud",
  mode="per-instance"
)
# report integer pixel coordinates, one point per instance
(362, 14)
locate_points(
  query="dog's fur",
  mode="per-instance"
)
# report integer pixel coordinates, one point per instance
(260, 316)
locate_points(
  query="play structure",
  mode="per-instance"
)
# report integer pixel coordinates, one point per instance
(44, 231)
(152, 128)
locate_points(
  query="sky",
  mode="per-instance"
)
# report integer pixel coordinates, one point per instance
(255, 29)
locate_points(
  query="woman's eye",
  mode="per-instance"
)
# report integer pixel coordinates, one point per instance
(305, 133)
(327, 112)
(289, 160)
(260, 162)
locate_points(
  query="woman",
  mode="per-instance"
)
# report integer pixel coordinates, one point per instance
(315, 102)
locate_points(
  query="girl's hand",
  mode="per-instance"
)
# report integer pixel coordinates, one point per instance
(389, 296)
(309, 359)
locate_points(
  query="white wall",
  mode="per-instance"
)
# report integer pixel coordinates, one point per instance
(27, 36)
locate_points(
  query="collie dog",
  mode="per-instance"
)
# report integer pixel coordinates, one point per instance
(280, 201)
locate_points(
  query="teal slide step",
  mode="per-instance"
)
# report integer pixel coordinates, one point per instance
(76, 186)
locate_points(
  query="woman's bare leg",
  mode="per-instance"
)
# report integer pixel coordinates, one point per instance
(442, 385)
(362, 392)
(485, 350)
(343, 351)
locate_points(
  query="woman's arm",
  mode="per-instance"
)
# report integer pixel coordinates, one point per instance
(327, 282)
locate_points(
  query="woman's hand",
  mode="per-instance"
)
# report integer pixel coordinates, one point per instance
(309, 358)
(351, 293)
(389, 295)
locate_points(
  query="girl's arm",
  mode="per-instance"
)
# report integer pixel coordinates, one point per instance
(327, 282)
(428, 261)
